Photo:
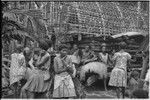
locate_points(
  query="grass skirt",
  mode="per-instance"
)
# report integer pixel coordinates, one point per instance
(63, 86)
(118, 78)
(36, 83)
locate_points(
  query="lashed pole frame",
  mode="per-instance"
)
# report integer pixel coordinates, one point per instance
(103, 21)
(145, 58)
(121, 16)
(78, 14)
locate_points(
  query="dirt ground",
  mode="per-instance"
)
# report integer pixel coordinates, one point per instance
(96, 90)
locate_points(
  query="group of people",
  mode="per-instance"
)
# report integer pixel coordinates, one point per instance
(32, 72)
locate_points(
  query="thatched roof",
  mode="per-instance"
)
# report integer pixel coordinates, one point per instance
(145, 44)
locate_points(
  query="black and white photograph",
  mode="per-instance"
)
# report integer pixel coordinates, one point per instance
(75, 49)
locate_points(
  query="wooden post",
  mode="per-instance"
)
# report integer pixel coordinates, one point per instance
(144, 67)
(2, 50)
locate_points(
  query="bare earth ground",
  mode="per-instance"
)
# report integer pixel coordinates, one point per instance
(97, 91)
(94, 91)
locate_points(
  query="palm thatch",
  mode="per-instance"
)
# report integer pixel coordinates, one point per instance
(145, 44)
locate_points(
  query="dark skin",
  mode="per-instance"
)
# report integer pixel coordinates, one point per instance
(63, 54)
(119, 89)
(109, 62)
(103, 52)
(28, 55)
(75, 47)
(41, 62)
(59, 70)
(87, 49)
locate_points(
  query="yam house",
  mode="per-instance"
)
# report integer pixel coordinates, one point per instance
(83, 23)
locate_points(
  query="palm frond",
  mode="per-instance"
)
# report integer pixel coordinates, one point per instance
(22, 33)
(6, 21)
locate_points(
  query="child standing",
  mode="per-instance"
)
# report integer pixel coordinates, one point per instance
(17, 69)
(133, 82)
(63, 84)
(147, 79)
(139, 92)
(103, 55)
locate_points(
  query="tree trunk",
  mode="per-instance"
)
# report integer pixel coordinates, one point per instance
(144, 67)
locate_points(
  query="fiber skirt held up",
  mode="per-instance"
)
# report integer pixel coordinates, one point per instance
(63, 86)
(36, 83)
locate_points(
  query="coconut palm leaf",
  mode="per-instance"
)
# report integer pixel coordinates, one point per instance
(6, 22)
(9, 20)
(11, 29)
(10, 16)
(22, 33)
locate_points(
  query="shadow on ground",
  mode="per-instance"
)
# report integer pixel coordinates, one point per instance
(96, 90)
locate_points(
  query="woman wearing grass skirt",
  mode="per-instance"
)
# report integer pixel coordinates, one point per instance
(118, 77)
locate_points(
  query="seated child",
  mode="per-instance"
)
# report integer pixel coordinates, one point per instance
(133, 83)
(146, 84)
(139, 92)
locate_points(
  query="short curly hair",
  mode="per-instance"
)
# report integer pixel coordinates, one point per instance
(36, 51)
(62, 46)
(122, 45)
